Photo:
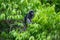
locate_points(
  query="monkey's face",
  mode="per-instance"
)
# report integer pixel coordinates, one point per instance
(31, 13)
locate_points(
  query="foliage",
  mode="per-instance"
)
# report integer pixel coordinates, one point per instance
(44, 26)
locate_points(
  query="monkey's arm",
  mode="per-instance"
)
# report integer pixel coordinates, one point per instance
(28, 21)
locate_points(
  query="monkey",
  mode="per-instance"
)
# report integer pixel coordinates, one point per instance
(27, 18)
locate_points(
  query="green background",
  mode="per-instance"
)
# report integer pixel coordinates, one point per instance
(45, 24)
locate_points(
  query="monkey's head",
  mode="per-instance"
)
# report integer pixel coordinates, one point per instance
(31, 13)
